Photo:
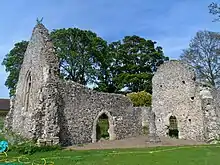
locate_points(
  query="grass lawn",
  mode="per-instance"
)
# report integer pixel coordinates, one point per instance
(200, 155)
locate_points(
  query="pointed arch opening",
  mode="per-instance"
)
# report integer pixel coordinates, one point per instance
(103, 127)
(27, 90)
(173, 127)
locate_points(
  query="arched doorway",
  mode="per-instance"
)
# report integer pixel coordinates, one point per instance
(103, 127)
(173, 127)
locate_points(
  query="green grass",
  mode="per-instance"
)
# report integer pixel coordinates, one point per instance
(200, 155)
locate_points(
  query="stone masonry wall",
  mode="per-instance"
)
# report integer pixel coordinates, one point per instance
(175, 93)
(81, 107)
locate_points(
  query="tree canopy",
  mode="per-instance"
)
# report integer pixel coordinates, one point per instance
(12, 62)
(86, 58)
(80, 52)
(134, 60)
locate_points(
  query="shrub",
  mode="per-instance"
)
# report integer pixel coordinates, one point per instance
(1, 121)
(140, 98)
(11, 137)
(22, 145)
(30, 148)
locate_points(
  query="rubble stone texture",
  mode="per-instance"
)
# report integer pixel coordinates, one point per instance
(176, 93)
(46, 107)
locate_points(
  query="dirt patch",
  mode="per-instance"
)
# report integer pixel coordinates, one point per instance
(134, 142)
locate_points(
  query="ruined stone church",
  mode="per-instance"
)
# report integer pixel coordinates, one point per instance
(47, 107)
(65, 112)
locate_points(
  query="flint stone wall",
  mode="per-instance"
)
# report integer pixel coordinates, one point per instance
(81, 106)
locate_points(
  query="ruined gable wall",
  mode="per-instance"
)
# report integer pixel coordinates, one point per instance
(81, 106)
(41, 63)
(176, 93)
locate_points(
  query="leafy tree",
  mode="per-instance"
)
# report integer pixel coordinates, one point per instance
(140, 98)
(135, 60)
(12, 62)
(204, 55)
(80, 52)
(107, 70)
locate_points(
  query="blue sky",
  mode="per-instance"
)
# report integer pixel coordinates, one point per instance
(171, 23)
